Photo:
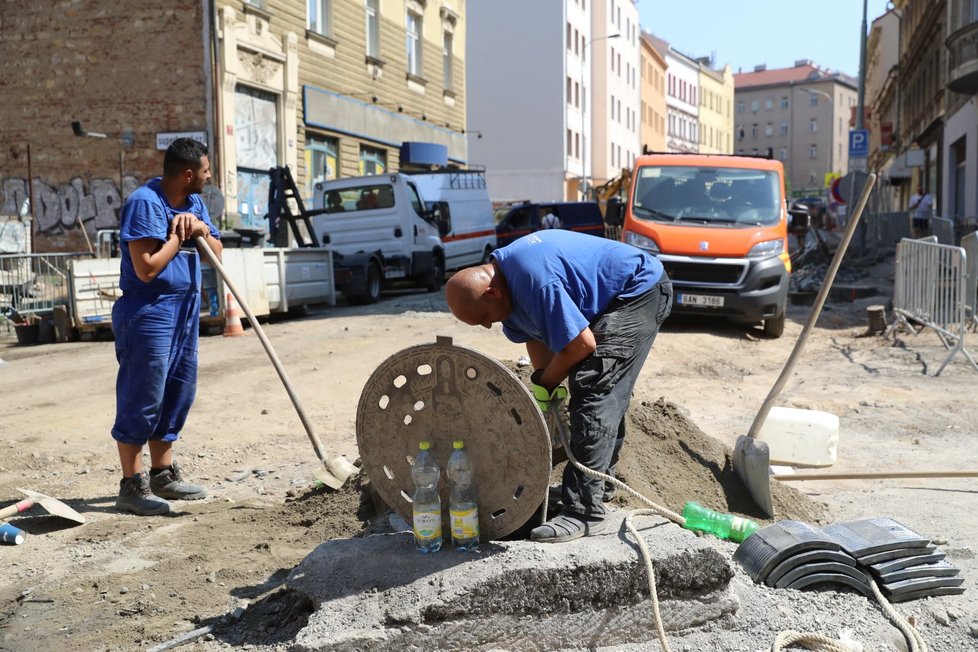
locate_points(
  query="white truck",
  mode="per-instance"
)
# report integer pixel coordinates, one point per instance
(391, 228)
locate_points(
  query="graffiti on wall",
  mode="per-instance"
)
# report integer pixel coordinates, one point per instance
(68, 206)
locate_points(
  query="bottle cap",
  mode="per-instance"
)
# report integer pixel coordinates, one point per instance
(424, 445)
(458, 445)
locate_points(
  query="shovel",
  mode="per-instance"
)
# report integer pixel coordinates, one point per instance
(751, 457)
(51, 505)
(334, 472)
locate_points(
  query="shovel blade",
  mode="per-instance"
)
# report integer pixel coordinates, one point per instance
(751, 462)
(336, 472)
(53, 506)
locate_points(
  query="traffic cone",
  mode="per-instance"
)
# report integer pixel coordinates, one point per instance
(232, 318)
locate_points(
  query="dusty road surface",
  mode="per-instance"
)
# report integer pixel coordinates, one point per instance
(121, 582)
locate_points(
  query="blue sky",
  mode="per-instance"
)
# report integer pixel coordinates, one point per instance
(745, 33)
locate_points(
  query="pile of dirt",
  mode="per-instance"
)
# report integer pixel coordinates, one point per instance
(334, 514)
(668, 459)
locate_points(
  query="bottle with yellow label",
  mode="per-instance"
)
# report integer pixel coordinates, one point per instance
(462, 505)
(426, 500)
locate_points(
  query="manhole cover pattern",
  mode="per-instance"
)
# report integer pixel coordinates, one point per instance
(442, 392)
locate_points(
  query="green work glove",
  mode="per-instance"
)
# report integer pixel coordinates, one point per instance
(543, 395)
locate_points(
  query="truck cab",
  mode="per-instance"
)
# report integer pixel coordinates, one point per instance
(380, 228)
(719, 225)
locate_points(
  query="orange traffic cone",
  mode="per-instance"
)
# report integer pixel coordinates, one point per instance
(232, 318)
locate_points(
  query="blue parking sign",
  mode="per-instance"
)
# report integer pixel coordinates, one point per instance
(858, 143)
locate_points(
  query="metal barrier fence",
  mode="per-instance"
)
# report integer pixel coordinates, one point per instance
(929, 292)
(970, 245)
(32, 285)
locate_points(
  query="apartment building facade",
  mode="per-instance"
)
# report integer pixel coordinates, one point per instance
(328, 87)
(800, 116)
(682, 98)
(882, 66)
(554, 107)
(716, 109)
(653, 96)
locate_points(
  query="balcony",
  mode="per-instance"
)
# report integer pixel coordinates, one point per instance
(962, 48)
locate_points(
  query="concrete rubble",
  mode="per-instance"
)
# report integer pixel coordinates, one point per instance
(379, 593)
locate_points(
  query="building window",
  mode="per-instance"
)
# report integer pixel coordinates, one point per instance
(813, 126)
(569, 34)
(414, 63)
(740, 106)
(768, 104)
(577, 95)
(769, 129)
(813, 151)
(570, 143)
(754, 106)
(784, 102)
(322, 160)
(319, 16)
(372, 160)
(753, 130)
(577, 146)
(373, 29)
(814, 100)
(447, 46)
(784, 129)
(570, 90)
(783, 154)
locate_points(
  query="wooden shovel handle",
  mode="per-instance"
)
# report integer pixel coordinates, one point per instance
(867, 475)
(16, 508)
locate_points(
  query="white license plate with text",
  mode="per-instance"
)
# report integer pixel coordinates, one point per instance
(700, 300)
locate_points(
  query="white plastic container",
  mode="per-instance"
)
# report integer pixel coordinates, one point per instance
(801, 437)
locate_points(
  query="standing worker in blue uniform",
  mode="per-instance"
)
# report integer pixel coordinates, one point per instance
(156, 324)
(588, 310)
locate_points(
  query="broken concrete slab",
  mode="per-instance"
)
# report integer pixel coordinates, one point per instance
(380, 593)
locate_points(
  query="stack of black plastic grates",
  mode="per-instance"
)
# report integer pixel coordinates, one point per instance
(906, 565)
(796, 555)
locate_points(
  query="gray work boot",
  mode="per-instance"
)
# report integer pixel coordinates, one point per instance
(168, 483)
(135, 497)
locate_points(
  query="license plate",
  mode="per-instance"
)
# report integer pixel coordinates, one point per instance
(700, 300)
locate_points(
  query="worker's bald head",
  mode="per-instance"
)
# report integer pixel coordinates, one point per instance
(478, 296)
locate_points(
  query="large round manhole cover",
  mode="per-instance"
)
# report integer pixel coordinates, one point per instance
(441, 392)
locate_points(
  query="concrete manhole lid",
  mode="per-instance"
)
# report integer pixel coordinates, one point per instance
(442, 392)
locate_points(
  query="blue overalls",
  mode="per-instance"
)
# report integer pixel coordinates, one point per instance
(156, 326)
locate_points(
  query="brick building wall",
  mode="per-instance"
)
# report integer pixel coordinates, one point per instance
(117, 67)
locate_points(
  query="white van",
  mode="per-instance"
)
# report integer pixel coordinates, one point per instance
(381, 232)
(465, 205)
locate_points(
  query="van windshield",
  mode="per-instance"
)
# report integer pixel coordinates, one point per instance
(716, 196)
(359, 198)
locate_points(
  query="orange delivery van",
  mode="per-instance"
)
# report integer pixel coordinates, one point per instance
(719, 224)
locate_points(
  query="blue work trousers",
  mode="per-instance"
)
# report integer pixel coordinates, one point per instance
(156, 346)
(601, 387)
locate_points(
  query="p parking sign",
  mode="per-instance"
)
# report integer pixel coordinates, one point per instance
(858, 143)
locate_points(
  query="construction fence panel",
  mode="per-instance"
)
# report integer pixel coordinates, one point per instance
(930, 292)
(970, 245)
(31, 286)
(943, 228)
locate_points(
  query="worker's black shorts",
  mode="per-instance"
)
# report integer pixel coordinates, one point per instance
(921, 224)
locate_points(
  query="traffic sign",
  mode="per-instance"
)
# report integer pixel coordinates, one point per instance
(858, 143)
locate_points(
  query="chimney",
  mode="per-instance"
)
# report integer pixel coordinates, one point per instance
(760, 67)
(803, 62)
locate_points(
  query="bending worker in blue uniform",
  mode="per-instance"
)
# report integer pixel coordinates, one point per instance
(588, 310)
(156, 323)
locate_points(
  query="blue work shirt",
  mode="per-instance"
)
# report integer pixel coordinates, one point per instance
(560, 281)
(147, 214)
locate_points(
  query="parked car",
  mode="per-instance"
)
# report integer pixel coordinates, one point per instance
(516, 220)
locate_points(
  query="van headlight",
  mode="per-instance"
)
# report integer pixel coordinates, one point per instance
(766, 249)
(641, 241)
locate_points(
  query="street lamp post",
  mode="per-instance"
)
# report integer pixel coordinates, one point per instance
(583, 105)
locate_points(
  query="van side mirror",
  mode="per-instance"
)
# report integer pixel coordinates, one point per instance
(441, 215)
(799, 219)
(613, 214)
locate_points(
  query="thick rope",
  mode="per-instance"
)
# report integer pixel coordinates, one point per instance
(810, 640)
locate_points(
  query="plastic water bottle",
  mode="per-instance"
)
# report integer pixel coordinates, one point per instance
(427, 501)
(723, 526)
(462, 505)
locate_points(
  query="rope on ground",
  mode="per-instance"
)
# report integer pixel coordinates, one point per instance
(810, 640)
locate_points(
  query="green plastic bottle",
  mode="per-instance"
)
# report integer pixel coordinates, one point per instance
(723, 526)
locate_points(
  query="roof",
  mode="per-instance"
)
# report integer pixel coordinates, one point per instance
(785, 76)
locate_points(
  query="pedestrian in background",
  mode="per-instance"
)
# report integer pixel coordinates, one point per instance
(921, 205)
(156, 323)
(588, 310)
(549, 219)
